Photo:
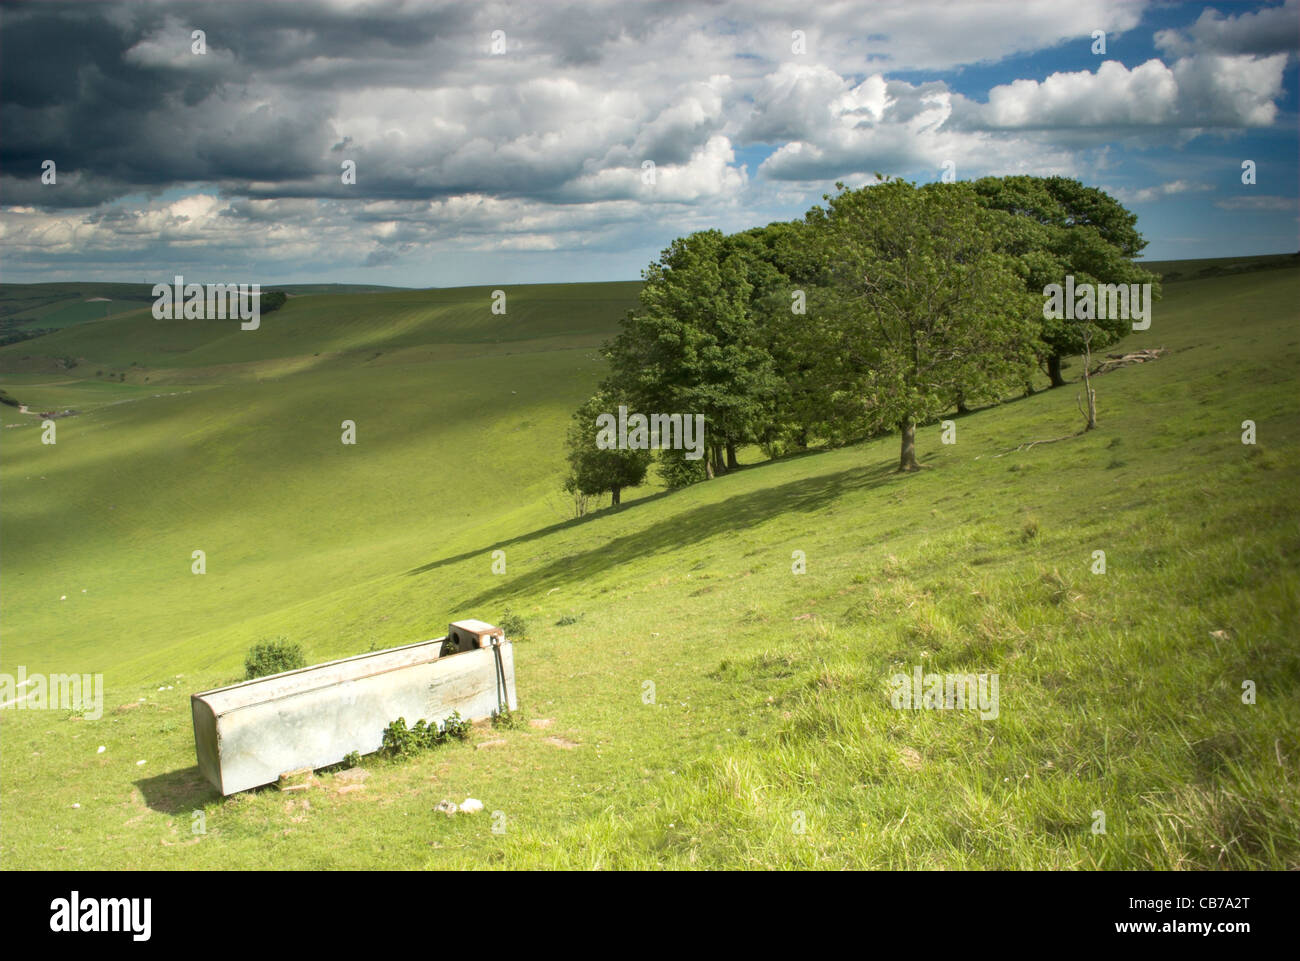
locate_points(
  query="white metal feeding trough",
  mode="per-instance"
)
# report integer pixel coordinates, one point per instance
(248, 734)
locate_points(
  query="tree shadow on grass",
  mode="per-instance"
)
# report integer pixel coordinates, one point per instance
(177, 792)
(693, 526)
(596, 515)
(533, 535)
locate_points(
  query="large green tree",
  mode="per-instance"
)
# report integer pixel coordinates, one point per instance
(695, 343)
(1060, 227)
(801, 407)
(594, 470)
(922, 303)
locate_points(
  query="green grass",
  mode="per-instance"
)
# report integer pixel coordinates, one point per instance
(316, 330)
(58, 305)
(1118, 692)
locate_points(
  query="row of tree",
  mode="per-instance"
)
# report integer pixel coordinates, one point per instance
(882, 310)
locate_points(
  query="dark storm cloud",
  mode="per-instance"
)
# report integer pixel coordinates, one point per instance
(90, 86)
(114, 95)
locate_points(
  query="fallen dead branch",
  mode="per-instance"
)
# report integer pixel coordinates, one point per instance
(1032, 443)
(1116, 361)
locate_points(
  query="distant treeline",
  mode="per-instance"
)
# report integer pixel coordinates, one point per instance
(1272, 262)
(11, 334)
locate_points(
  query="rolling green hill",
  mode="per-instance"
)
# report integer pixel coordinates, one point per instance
(54, 306)
(1120, 692)
(1173, 271)
(314, 326)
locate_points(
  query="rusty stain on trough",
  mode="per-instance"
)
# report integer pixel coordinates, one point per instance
(248, 734)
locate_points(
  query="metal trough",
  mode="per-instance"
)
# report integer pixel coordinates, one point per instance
(249, 734)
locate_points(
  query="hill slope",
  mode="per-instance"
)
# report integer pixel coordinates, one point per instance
(1120, 692)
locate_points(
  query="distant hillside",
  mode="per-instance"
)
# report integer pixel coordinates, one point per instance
(32, 308)
(1172, 271)
(313, 325)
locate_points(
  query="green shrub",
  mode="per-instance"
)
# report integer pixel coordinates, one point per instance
(455, 726)
(402, 741)
(506, 719)
(514, 626)
(273, 657)
(272, 300)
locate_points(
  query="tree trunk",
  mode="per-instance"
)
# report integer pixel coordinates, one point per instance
(614, 492)
(1087, 384)
(732, 463)
(1054, 370)
(961, 404)
(907, 461)
(719, 466)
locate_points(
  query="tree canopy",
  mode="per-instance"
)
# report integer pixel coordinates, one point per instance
(882, 310)
(1060, 227)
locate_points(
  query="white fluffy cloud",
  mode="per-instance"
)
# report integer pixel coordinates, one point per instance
(1206, 90)
(542, 149)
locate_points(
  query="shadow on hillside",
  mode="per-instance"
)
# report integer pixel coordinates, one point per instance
(593, 516)
(532, 535)
(177, 792)
(692, 526)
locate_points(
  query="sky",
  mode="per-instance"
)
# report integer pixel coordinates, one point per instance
(446, 144)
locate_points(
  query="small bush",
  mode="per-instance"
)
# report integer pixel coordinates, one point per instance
(1030, 531)
(455, 726)
(401, 741)
(352, 759)
(273, 657)
(272, 300)
(514, 626)
(506, 719)
(568, 619)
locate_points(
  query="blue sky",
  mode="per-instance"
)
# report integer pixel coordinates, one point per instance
(522, 161)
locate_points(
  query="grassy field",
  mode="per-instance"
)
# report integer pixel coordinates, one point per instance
(770, 740)
(55, 306)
